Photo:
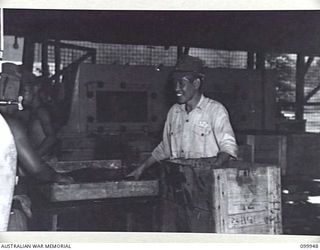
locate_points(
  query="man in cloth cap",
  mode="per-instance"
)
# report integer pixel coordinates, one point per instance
(196, 126)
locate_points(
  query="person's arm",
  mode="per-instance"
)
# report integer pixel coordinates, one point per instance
(225, 136)
(50, 136)
(222, 158)
(29, 159)
(161, 152)
(142, 168)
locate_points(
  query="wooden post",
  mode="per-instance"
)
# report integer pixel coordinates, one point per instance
(57, 60)
(44, 59)
(260, 65)
(94, 57)
(28, 54)
(179, 52)
(250, 60)
(186, 50)
(300, 69)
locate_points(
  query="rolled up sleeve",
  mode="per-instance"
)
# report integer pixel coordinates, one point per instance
(224, 133)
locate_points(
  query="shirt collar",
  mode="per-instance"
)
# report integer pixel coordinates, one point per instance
(200, 105)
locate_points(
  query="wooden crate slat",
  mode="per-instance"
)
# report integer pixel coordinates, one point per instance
(68, 166)
(274, 192)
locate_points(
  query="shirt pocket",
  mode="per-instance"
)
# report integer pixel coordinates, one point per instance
(201, 132)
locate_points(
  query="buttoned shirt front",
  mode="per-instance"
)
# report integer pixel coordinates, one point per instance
(203, 132)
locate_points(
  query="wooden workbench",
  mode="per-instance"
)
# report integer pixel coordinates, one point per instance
(80, 200)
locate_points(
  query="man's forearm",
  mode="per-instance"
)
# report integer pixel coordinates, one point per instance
(148, 163)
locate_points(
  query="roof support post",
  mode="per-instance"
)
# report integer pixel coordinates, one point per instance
(57, 61)
(179, 51)
(250, 60)
(260, 65)
(44, 59)
(28, 54)
(300, 74)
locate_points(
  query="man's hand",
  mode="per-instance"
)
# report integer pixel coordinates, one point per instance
(222, 158)
(136, 174)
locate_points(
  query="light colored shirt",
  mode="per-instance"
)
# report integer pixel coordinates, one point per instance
(203, 132)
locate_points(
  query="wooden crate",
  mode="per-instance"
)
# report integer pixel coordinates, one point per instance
(296, 154)
(235, 199)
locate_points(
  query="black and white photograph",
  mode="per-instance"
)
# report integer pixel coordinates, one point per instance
(160, 121)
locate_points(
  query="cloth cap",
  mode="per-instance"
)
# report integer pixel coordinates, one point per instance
(189, 64)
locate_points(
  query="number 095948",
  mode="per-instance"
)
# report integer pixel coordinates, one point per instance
(308, 245)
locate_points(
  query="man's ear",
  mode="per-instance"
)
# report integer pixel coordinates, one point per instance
(197, 83)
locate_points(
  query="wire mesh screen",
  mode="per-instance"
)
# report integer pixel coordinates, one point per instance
(67, 56)
(126, 54)
(70, 55)
(221, 58)
(37, 59)
(37, 65)
(51, 63)
(123, 54)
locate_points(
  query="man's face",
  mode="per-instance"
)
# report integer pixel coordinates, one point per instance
(184, 87)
